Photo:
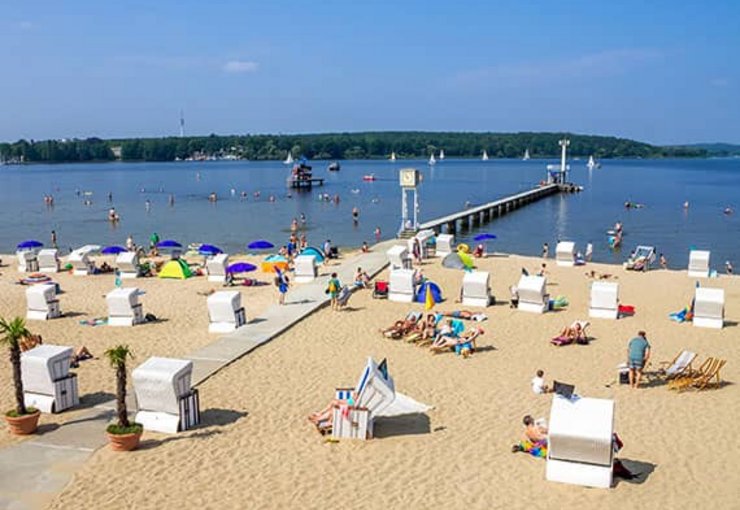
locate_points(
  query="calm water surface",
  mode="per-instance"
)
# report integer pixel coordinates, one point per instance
(662, 185)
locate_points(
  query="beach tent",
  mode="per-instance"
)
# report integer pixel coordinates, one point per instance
(457, 260)
(318, 254)
(177, 269)
(421, 292)
(274, 262)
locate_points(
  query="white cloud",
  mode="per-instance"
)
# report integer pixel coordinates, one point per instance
(239, 66)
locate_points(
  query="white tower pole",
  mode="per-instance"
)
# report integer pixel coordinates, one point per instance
(563, 157)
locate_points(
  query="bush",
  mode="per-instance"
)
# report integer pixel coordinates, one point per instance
(116, 429)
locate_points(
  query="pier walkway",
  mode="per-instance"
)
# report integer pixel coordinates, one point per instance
(484, 213)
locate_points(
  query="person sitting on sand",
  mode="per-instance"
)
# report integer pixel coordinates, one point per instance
(479, 251)
(534, 438)
(362, 280)
(576, 332)
(323, 419)
(539, 386)
(81, 354)
(428, 328)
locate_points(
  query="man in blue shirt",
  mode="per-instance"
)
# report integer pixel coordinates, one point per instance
(638, 354)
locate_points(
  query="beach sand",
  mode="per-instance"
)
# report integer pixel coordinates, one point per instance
(255, 448)
(183, 325)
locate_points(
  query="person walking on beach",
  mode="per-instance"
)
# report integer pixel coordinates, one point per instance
(377, 234)
(282, 283)
(333, 288)
(545, 250)
(130, 246)
(589, 251)
(54, 239)
(663, 262)
(638, 354)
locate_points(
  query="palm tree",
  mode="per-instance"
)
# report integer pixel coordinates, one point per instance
(12, 333)
(117, 356)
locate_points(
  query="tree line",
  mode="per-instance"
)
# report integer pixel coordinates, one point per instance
(336, 146)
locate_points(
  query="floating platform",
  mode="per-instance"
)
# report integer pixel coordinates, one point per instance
(305, 183)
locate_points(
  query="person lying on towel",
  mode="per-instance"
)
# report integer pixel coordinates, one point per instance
(464, 341)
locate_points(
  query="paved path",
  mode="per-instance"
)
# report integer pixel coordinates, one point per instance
(34, 471)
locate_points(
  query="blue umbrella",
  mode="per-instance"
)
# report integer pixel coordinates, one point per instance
(260, 245)
(241, 267)
(209, 249)
(113, 250)
(29, 244)
(484, 237)
(168, 243)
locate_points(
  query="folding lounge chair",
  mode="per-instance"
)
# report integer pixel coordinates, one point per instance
(344, 295)
(681, 365)
(684, 380)
(708, 376)
(380, 289)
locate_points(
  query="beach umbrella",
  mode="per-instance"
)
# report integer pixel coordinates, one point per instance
(484, 237)
(260, 245)
(209, 249)
(113, 250)
(241, 267)
(27, 245)
(168, 243)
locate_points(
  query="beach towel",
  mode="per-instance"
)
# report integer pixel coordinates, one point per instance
(94, 322)
(538, 449)
(457, 327)
(626, 310)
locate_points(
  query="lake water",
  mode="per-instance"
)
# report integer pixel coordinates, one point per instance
(662, 185)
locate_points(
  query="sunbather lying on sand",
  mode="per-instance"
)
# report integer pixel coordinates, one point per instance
(400, 328)
(465, 314)
(450, 342)
(323, 419)
(597, 276)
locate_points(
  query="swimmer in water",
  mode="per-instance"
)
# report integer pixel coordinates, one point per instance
(355, 215)
(303, 219)
(256, 194)
(171, 200)
(148, 205)
(272, 198)
(728, 210)
(686, 205)
(294, 225)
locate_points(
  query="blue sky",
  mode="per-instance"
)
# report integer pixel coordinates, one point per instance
(659, 71)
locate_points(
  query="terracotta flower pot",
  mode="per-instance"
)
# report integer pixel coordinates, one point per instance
(23, 425)
(124, 442)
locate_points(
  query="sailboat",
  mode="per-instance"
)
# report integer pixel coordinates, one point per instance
(592, 163)
(441, 154)
(485, 156)
(526, 155)
(432, 160)
(393, 156)
(289, 159)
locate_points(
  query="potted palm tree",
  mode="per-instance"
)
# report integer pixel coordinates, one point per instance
(22, 420)
(123, 435)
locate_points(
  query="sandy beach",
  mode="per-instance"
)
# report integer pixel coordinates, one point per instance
(255, 448)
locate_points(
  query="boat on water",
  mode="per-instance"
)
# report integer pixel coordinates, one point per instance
(368, 177)
(289, 159)
(485, 156)
(432, 160)
(526, 155)
(334, 167)
(592, 163)
(441, 154)
(393, 156)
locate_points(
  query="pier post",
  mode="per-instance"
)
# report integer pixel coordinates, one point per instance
(476, 219)
(451, 227)
(465, 222)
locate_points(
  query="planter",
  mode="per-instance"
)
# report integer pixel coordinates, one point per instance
(124, 442)
(23, 425)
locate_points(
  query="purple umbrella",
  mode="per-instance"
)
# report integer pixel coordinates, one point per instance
(209, 249)
(260, 245)
(25, 245)
(241, 267)
(168, 243)
(113, 250)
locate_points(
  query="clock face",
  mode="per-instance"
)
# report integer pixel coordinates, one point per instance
(408, 178)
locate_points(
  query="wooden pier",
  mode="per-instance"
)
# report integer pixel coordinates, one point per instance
(475, 216)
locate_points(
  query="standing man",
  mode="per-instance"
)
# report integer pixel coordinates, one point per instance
(54, 239)
(333, 288)
(545, 250)
(589, 251)
(153, 240)
(638, 354)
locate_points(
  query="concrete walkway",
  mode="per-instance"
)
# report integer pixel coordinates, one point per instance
(34, 471)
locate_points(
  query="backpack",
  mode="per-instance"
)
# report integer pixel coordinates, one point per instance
(333, 285)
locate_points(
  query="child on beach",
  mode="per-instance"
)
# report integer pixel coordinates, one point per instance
(538, 383)
(282, 283)
(333, 288)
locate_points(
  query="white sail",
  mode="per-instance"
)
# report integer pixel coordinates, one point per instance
(485, 156)
(526, 155)
(289, 159)
(393, 156)
(441, 154)
(591, 163)
(432, 160)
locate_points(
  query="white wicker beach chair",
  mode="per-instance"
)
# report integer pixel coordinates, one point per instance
(565, 253)
(305, 268)
(401, 286)
(48, 261)
(709, 308)
(48, 384)
(27, 261)
(699, 263)
(604, 301)
(225, 311)
(445, 243)
(124, 308)
(398, 257)
(580, 447)
(532, 295)
(476, 288)
(127, 263)
(165, 399)
(216, 267)
(41, 302)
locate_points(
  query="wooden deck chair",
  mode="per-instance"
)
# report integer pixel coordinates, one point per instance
(684, 381)
(711, 378)
(680, 366)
